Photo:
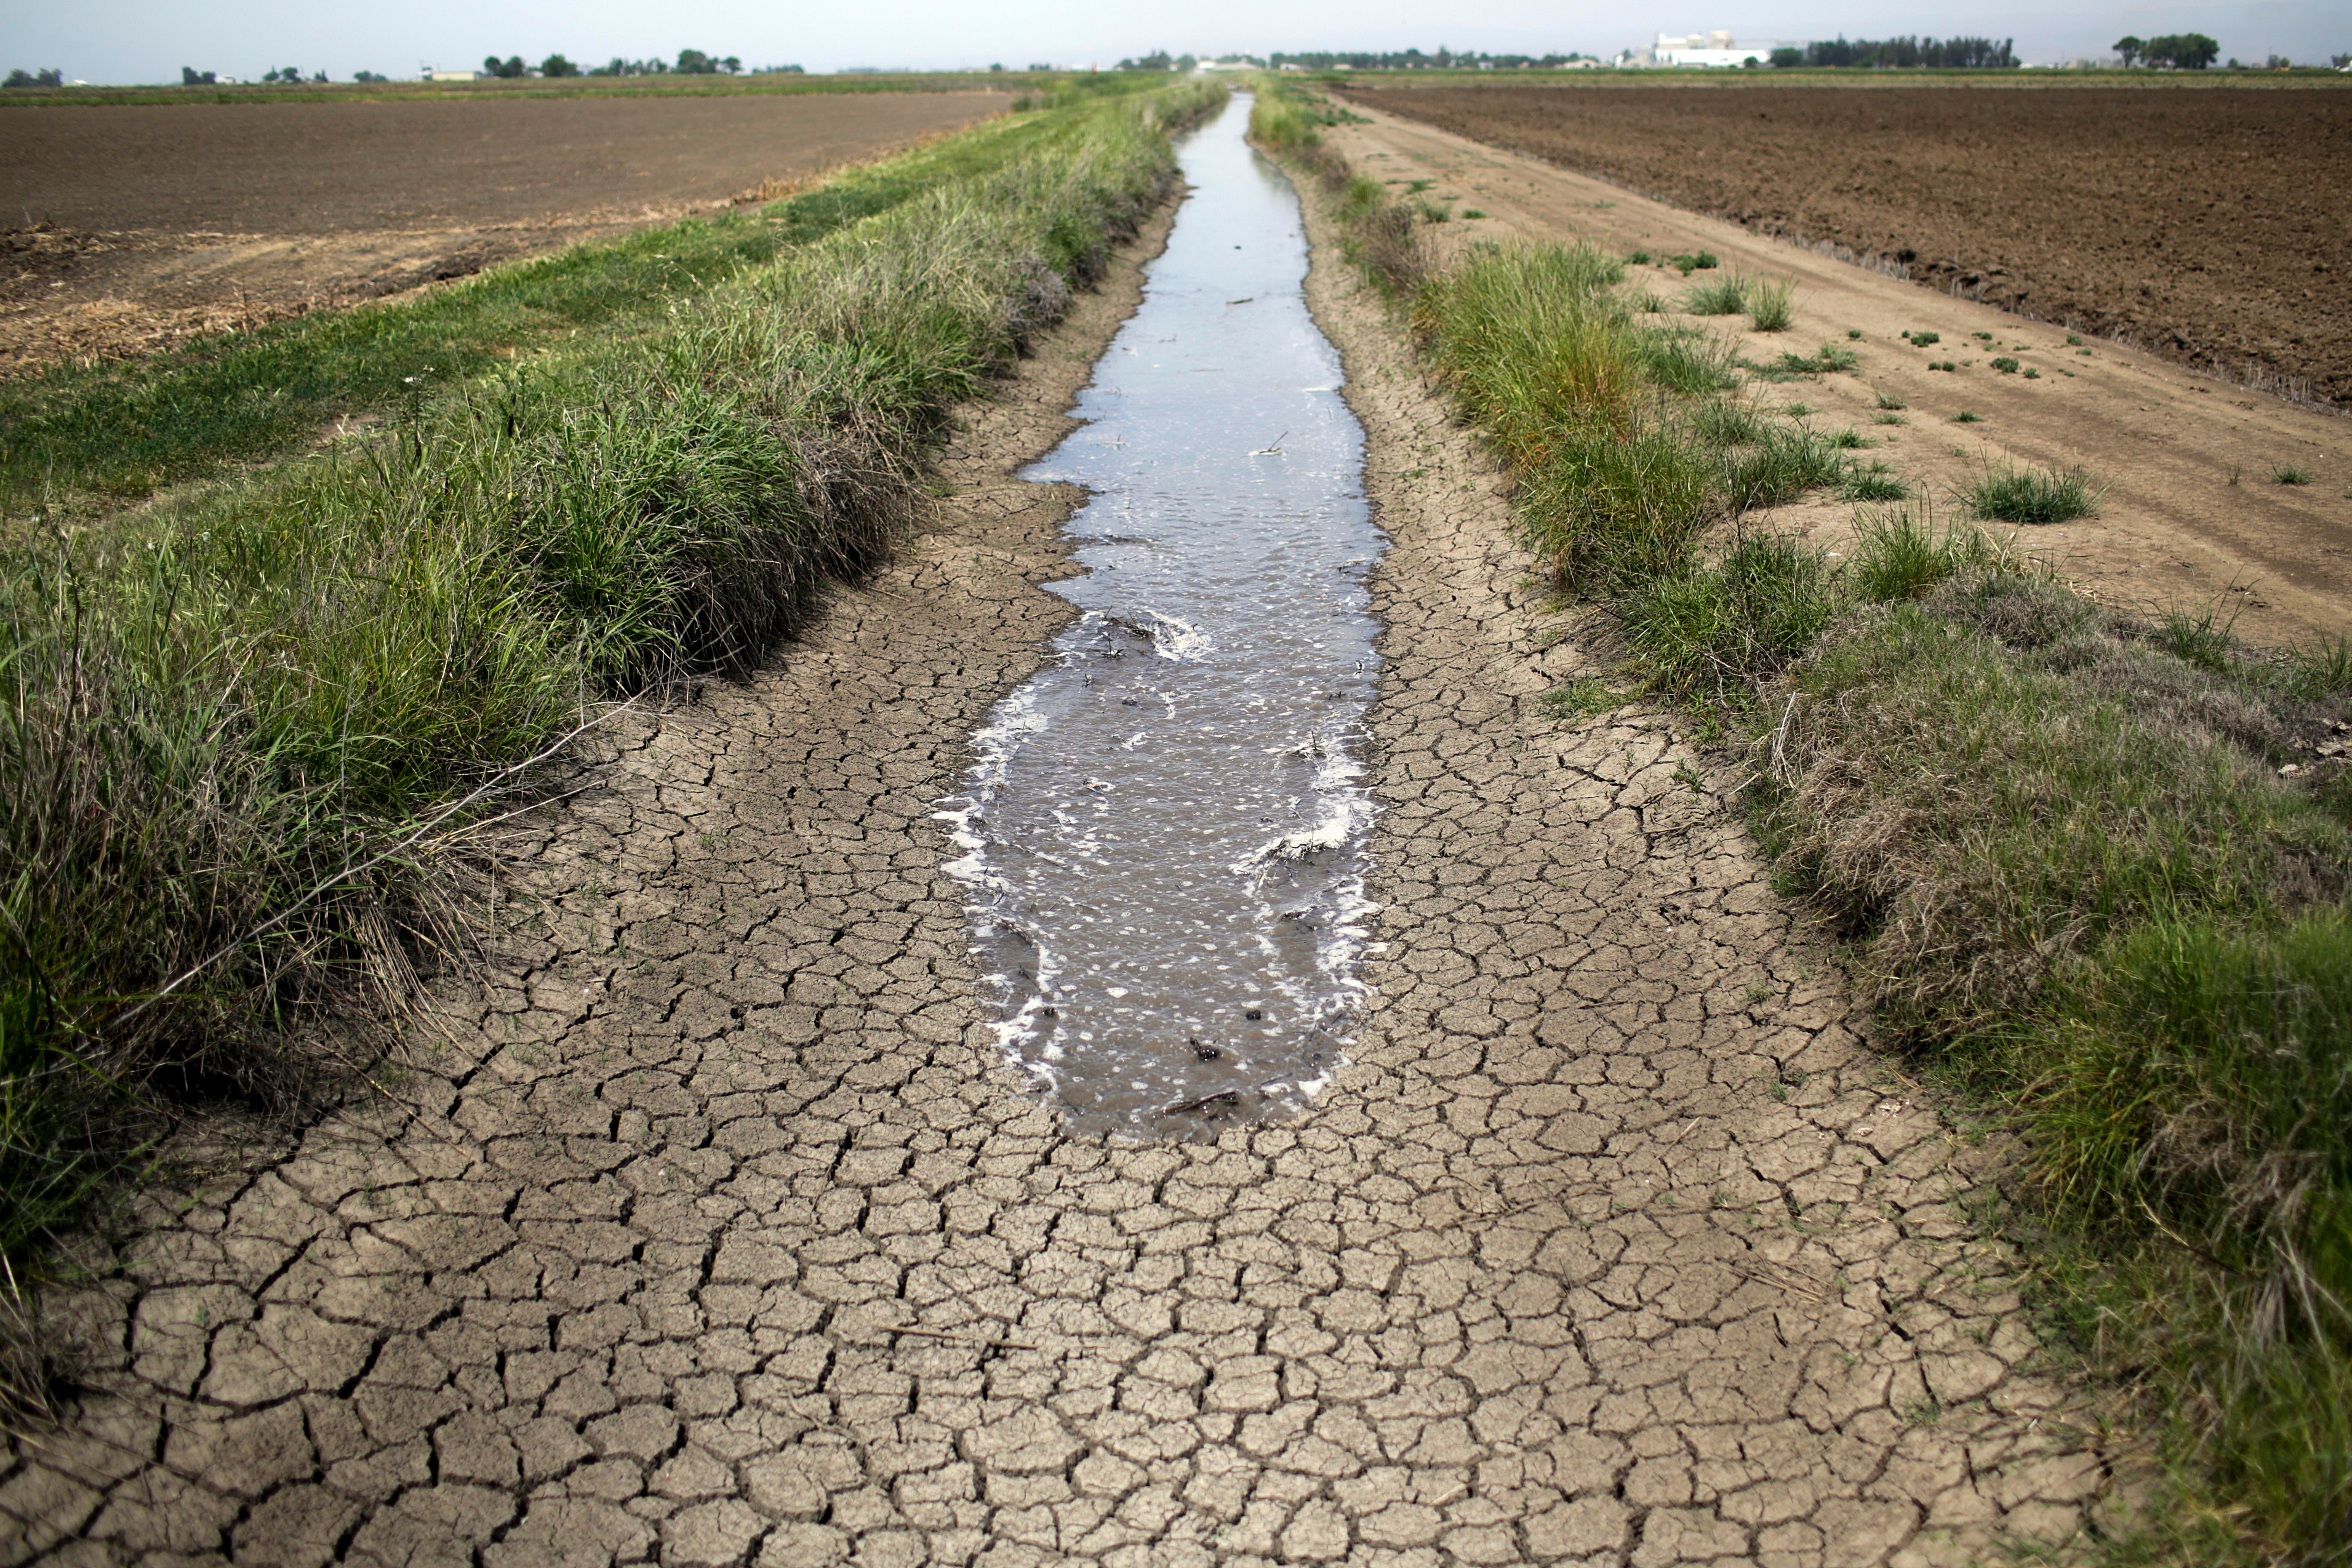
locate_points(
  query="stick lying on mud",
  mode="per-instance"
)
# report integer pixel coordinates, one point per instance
(1224, 1099)
(964, 1338)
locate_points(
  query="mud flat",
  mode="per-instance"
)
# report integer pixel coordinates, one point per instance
(2208, 225)
(130, 227)
(714, 1228)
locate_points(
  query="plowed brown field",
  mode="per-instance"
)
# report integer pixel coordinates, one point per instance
(2210, 224)
(140, 225)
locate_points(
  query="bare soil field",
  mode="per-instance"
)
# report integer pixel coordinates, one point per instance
(2210, 225)
(132, 227)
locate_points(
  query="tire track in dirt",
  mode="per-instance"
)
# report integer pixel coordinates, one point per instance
(718, 1234)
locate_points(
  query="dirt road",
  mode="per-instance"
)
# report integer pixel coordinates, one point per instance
(131, 228)
(718, 1234)
(2206, 224)
(2192, 515)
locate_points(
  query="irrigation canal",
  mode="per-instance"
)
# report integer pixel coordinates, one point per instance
(1163, 834)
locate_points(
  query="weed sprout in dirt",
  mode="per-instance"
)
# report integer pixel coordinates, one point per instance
(2011, 492)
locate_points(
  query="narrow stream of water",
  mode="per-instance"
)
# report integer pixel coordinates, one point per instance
(1163, 838)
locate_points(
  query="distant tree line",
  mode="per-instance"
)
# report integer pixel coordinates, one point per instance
(2172, 51)
(1902, 54)
(50, 77)
(283, 76)
(690, 62)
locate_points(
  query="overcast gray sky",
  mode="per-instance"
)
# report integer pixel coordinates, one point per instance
(150, 40)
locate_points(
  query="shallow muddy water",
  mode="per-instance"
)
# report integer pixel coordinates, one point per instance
(1163, 834)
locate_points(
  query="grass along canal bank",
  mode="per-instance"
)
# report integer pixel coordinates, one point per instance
(2083, 865)
(251, 733)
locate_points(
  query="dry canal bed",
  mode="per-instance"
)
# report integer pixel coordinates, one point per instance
(2210, 224)
(712, 1227)
(135, 225)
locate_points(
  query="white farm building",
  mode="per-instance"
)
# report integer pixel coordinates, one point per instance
(1706, 49)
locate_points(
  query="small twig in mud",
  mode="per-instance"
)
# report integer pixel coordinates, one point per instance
(1224, 1100)
(963, 1339)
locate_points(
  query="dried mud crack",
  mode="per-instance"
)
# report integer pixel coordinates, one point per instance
(716, 1231)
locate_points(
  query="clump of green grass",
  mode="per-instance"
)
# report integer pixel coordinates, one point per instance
(2287, 474)
(2006, 365)
(1533, 346)
(2013, 493)
(1383, 237)
(1720, 627)
(1722, 296)
(1823, 361)
(1872, 484)
(1900, 555)
(1625, 448)
(1637, 258)
(1689, 365)
(1883, 417)
(1619, 504)
(1694, 261)
(1771, 305)
(1581, 700)
(1918, 339)
(1848, 440)
(1780, 468)
(1473, 212)
(1728, 421)
(2203, 638)
(1284, 124)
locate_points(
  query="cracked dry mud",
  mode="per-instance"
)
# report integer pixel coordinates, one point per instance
(716, 1231)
